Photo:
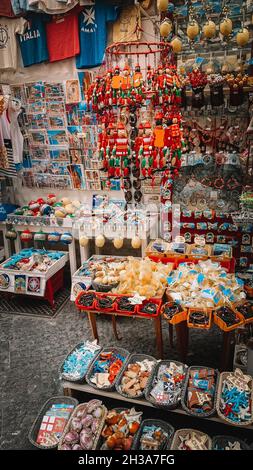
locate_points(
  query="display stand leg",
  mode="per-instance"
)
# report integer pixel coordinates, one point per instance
(67, 392)
(93, 324)
(159, 338)
(97, 250)
(72, 257)
(84, 252)
(143, 247)
(171, 334)
(182, 340)
(114, 325)
(18, 246)
(7, 245)
(227, 342)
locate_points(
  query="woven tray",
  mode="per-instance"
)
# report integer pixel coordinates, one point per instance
(157, 422)
(82, 378)
(89, 373)
(33, 433)
(217, 439)
(102, 439)
(176, 441)
(168, 406)
(205, 414)
(132, 359)
(99, 430)
(103, 287)
(223, 376)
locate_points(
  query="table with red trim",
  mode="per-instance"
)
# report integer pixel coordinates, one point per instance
(50, 281)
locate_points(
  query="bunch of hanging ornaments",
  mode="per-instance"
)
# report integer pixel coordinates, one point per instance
(141, 118)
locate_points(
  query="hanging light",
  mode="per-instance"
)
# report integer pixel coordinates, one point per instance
(209, 29)
(162, 5)
(242, 37)
(176, 45)
(192, 29)
(226, 26)
(165, 28)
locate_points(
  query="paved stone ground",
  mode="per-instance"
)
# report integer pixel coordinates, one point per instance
(32, 349)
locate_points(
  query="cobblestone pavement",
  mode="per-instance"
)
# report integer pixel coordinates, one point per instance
(32, 349)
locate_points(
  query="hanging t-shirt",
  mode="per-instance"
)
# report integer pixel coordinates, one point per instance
(20, 6)
(128, 25)
(93, 33)
(6, 8)
(33, 43)
(63, 37)
(8, 41)
(54, 6)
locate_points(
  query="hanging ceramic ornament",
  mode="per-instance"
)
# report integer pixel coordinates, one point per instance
(66, 238)
(11, 234)
(226, 27)
(242, 37)
(60, 212)
(83, 240)
(176, 45)
(51, 199)
(65, 201)
(136, 243)
(40, 236)
(165, 28)
(26, 236)
(192, 29)
(69, 208)
(100, 241)
(209, 29)
(162, 5)
(54, 237)
(118, 243)
(46, 209)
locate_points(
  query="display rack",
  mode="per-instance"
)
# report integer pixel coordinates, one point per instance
(47, 229)
(70, 389)
(42, 276)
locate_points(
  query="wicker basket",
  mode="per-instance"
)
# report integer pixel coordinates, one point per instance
(205, 414)
(223, 376)
(89, 373)
(177, 318)
(132, 359)
(81, 407)
(238, 305)
(102, 439)
(84, 307)
(176, 441)
(33, 433)
(222, 325)
(168, 406)
(82, 378)
(103, 287)
(208, 312)
(155, 422)
(217, 439)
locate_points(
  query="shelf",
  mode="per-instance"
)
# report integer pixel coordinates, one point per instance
(85, 388)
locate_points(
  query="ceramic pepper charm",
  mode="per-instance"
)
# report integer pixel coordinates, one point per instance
(198, 81)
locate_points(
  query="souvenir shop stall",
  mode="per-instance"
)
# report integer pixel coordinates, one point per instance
(126, 185)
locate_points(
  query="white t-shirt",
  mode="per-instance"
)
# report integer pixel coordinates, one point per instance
(8, 41)
(54, 6)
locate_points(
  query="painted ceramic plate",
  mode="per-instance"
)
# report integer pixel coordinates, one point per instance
(4, 281)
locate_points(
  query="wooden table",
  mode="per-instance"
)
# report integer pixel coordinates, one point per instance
(92, 315)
